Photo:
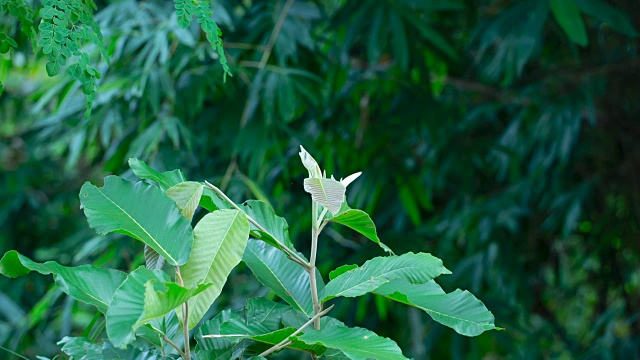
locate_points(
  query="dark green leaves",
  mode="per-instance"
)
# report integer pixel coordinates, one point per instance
(568, 16)
(85, 283)
(356, 343)
(141, 211)
(360, 221)
(286, 278)
(609, 15)
(145, 295)
(415, 268)
(459, 310)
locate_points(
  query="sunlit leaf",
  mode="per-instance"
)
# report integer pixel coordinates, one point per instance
(220, 241)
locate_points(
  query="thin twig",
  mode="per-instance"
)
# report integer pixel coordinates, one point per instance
(291, 254)
(284, 343)
(175, 346)
(185, 319)
(265, 56)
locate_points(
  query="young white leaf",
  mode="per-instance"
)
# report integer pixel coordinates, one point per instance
(310, 163)
(349, 179)
(326, 192)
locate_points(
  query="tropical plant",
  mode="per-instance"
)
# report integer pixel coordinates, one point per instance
(186, 268)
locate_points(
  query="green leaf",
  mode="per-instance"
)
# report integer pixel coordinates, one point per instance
(360, 221)
(152, 259)
(609, 15)
(85, 283)
(220, 240)
(568, 16)
(327, 192)
(187, 196)
(415, 268)
(221, 348)
(53, 68)
(276, 226)
(165, 179)
(145, 295)
(80, 348)
(141, 211)
(287, 279)
(356, 343)
(459, 310)
(212, 202)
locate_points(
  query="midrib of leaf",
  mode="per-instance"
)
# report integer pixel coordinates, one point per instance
(434, 311)
(283, 286)
(166, 255)
(392, 271)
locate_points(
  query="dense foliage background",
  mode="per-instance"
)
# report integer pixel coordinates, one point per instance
(501, 136)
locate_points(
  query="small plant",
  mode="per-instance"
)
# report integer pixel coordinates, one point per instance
(187, 267)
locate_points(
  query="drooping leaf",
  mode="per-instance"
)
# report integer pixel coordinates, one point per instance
(187, 196)
(459, 310)
(220, 241)
(415, 268)
(609, 15)
(361, 222)
(144, 295)
(276, 226)
(356, 343)
(165, 179)
(287, 279)
(85, 283)
(212, 202)
(326, 192)
(141, 211)
(568, 16)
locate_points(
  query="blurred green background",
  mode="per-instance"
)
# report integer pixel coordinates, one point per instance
(503, 136)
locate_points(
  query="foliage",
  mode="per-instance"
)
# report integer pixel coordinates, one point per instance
(214, 247)
(491, 140)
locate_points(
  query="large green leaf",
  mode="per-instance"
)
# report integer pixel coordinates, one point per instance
(165, 179)
(327, 192)
(187, 196)
(85, 283)
(276, 226)
(459, 310)
(219, 348)
(220, 240)
(568, 16)
(608, 14)
(355, 281)
(141, 211)
(80, 348)
(356, 343)
(361, 222)
(145, 295)
(287, 279)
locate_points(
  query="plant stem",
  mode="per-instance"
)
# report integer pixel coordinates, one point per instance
(317, 307)
(284, 343)
(290, 253)
(186, 355)
(175, 346)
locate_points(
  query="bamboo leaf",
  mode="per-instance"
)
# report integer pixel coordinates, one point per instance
(85, 283)
(568, 16)
(141, 211)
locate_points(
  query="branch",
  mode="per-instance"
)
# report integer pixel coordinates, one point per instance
(284, 343)
(180, 352)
